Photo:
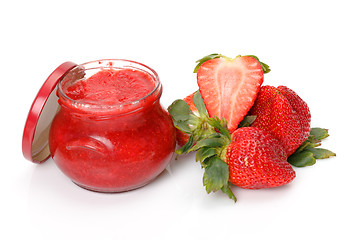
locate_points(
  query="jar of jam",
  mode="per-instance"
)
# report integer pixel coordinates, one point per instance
(110, 132)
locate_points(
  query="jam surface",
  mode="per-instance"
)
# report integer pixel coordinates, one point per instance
(112, 87)
(114, 152)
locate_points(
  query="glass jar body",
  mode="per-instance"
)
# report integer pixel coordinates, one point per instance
(112, 154)
(111, 147)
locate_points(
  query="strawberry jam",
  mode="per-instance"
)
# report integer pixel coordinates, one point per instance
(111, 133)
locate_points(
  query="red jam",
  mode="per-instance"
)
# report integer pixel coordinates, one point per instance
(111, 133)
(111, 86)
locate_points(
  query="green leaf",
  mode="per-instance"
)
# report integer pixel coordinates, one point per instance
(216, 175)
(311, 142)
(321, 153)
(199, 103)
(247, 121)
(179, 110)
(204, 59)
(208, 142)
(182, 126)
(187, 146)
(221, 126)
(204, 153)
(264, 66)
(183, 118)
(228, 192)
(319, 133)
(305, 144)
(302, 159)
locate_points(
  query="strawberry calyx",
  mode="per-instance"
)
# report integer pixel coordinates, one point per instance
(197, 125)
(209, 137)
(309, 151)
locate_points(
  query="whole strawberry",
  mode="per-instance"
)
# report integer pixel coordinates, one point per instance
(257, 160)
(281, 112)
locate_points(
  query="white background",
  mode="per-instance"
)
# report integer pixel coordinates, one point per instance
(311, 47)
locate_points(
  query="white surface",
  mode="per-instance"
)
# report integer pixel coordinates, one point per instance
(311, 46)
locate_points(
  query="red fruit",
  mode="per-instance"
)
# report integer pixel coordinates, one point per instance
(229, 87)
(182, 137)
(281, 112)
(189, 100)
(257, 160)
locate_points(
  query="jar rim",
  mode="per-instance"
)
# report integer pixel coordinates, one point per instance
(103, 64)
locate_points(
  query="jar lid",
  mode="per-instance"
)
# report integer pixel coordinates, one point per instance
(35, 145)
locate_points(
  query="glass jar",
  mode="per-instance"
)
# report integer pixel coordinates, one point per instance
(108, 146)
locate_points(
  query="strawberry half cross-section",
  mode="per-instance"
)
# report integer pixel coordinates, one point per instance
(229, 87)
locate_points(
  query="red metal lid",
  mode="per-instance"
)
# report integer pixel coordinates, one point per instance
(36, 132)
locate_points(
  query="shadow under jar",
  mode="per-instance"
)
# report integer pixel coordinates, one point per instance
(111, 133)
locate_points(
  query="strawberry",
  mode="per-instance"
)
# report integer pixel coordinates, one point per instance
(256, 154)
(249, 158)
(281, 112)
(229, 86)
(257, 160)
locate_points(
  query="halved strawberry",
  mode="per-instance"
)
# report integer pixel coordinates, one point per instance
(229, 86)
